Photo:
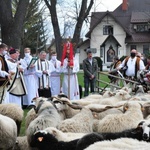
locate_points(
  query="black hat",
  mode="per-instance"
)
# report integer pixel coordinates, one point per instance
(88, 51)
(12, 51)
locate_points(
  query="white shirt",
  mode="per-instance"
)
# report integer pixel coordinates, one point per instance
(131, 66)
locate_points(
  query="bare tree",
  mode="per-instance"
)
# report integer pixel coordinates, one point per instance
(82, 14)
(58, 39)
(12, 24)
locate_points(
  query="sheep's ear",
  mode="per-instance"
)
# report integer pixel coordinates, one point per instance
(136, 130)
(54, 133)
(121, 94)
(111, 94)
(125, 108)
(142, 108)
(34, 99)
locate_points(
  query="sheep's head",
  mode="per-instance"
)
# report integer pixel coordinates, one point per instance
(123, 95)
(65, 101)
(42, 138)
(108, 94)
(132, 105)
(146, 109)
(41, 103)
(145, 126)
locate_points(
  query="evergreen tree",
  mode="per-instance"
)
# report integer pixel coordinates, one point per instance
(34, 35)
(34, 29)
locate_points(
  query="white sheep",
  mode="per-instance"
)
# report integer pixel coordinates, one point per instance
(13, 111)
(47, 116)
(80, 123)
(21, 143)
(119, 122)
(61, 136)
(65, 107)
(8, 132)
(120, 95)
(93, 98)
(120, 144)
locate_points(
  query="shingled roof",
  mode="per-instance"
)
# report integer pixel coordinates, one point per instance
(138, 11)
(140, 17)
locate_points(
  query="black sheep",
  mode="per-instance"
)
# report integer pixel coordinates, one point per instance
(46, 141)
(136, 133)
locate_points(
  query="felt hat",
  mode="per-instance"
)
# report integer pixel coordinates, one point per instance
(12, 51)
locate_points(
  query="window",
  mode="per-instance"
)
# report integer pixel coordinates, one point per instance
(142, 28)
(146, 49)
(107, 30)
(133, 47)
(101, 51)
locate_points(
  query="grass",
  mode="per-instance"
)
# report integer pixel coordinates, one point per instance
(81, 82)
(22, 130)
(102, 77)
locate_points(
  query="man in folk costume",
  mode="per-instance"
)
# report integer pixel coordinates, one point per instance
(17, 86)
(30, 78)
(4, 74)
(70, 67)
(43, 70)
(55, 74)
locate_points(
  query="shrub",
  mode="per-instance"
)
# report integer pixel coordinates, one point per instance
(100, 62)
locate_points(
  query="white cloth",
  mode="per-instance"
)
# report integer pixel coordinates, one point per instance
(9, 97)
(40, 66)
(31, 81)
(55, 77)
(2, 73)
(74, 86)
(131, 66)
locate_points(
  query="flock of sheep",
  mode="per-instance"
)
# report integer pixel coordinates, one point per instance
(111, 121)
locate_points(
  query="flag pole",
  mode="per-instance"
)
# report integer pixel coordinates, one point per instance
(68, 81)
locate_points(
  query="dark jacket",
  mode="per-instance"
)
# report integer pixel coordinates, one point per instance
(90, 69)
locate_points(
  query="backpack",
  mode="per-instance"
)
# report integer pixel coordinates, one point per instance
(137, 65)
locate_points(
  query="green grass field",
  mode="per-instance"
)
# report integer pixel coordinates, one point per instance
(80, 80)
(102, 77)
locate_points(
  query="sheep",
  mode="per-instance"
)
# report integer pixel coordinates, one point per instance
(8, 132)
(65, 107)
(61, 136)
(120, 144)
(81, 122)
(141, 132)
(47, 116)
(120, 95)
(13, 111)
(93, 98)
(119, 122)
(22, 144)
(46, 141)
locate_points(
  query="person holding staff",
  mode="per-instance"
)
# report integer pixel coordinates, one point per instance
(70, 67)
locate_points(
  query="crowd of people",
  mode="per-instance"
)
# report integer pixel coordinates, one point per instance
(22, 79)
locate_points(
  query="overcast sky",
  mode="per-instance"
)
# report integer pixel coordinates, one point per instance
(104, 5)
